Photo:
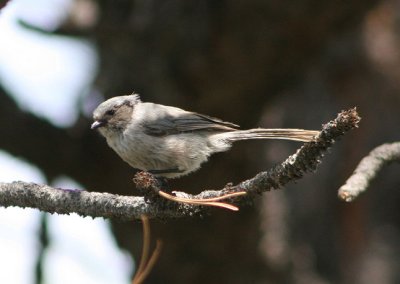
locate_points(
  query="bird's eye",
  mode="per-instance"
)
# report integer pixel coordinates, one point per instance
(110, 112)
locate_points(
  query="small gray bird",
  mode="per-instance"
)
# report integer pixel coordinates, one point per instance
(171, 142)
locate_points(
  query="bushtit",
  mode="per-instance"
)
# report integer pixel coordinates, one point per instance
(171, 142)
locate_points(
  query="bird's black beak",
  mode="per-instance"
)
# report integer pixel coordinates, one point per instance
(97, 124)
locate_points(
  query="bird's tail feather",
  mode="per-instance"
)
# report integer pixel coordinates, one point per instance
(273, 133)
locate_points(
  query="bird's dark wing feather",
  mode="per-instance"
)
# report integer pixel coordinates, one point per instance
(187, 122)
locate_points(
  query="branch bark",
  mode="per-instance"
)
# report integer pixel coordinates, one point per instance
(368, 169)
(94, 204)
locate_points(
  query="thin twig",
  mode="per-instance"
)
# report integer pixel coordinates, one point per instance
(146, 264)
(368, 169)
(150, 264)
(145, 247)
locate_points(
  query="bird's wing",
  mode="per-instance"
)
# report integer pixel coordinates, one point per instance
(186, 122)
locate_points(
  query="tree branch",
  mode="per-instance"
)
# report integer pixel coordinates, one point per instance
(94, 204)
(368, 169)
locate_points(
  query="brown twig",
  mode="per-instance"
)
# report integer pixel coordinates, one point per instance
(146, 264)
(150, 263)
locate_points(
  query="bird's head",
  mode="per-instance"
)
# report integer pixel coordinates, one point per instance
(114, 115)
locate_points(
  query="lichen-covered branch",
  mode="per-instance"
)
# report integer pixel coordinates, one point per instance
(94, 204)
(368, 169)
(65, 201)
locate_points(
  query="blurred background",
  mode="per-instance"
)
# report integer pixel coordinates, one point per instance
(253, 62)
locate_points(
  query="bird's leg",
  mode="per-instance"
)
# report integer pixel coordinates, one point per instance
(163, 183)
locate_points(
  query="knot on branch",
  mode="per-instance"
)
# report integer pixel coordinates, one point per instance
(146, 181)
(149, 186)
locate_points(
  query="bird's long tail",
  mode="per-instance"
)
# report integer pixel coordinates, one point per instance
(273, 133)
